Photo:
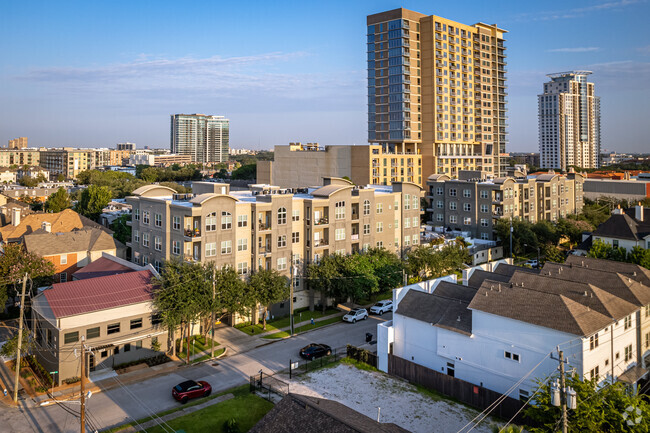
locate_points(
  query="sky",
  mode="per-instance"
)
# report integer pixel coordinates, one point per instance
(95, 73)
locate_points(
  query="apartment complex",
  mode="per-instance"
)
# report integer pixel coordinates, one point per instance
(204, 138)
(569, 122)
(67, 161)
(271, 227)
(473, 202)
(438, 86)
(19, 157)
(17, 143)
(125, 146)
(299, 165)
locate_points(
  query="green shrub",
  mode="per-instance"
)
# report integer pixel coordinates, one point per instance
(231, 426)
(71, 380)
(39, 370)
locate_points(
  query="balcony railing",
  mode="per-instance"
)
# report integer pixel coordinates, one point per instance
(263, 226)
(321, 221)
(192, 233)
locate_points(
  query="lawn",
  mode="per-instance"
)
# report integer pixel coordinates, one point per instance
(283, 322)
(200, 344)
(247, 409)
(283, 334)
(375, 298)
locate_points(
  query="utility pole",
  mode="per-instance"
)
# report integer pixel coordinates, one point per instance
(20, 337)
(565, 426)
(511, 230)
(214, 275)
(291, 295)
(82, 397)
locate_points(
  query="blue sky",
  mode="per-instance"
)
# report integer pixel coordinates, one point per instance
(94, 73)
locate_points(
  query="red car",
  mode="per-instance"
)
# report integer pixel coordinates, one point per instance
(191, 389)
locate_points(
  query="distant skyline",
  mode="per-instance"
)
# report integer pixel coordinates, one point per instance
(93, 74)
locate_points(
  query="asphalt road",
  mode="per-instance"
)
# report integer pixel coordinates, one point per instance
(138, 400)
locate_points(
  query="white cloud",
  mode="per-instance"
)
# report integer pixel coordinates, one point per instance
(644, 50)
(575, 12)
(574, 50)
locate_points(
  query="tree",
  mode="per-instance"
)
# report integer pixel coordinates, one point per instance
(600, 250)
(427, 262)
(58, 201)
(93, 200)
(387, 267)
(245, 172)
(60, 178)
(149, 174)
(522, 233)
(121, 230)
(10, 348)
(324, 277)
(28, 181)
(268, 287)
(14, 263)
(573, 229)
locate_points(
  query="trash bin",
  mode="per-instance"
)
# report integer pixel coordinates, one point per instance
(368, 337)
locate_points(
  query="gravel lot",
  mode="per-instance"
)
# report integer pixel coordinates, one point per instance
(401, 403)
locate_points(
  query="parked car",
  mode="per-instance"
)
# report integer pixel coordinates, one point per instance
(191, 389)
(356, 314)
(315, 350)
(382, 307)
(532, 263)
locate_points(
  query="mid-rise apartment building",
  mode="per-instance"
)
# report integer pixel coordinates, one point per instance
(17, 143)
(67, 161)
(298, 165)
(204, 138)
(271, 227)
(473, 202)
(569, 122)
(439, 86)
(125, 146)
(19, 157)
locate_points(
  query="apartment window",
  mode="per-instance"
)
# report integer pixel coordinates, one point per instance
(484, 208)
(467, 193)
(339, 210)
(136, 323)
(366, 207)
(647, 340)
(63, 260)
(282, 215)
(380, 208)
(282, 241)
(295, 215)
(226, 220)
(104, 353)
(295, 237)
(339, 234)
(467, 207)
(211, 222)
(594, 373)
(136, 235)
(440, 204)
(145, 217)
(156, 319)
(453, 205)
(440, 190)
(407, 223)
(145, 239)
(380, 227)
(366, 229)
(484, 222)
(145, 260)
(415, 203)
(467, 221)
(176, 248)
(136, 214)
(627, 323)
(440, 217)
(485, 236)
(380, 244)
(157, 220)
(512, 356)
(210, 249)
(282, 263)
(615, 243)
(92, 333)
(113, 328)
(71, 337)
(593, 341)
(226, 247)
(628, 353)
(407, 201)
(242, 268)
(127, 347)
(242, 244)
(176, 223)
(452, 192)
(242, 220)
(647, 310)
(407, 241)
(453, 219)
(157, 243)
(484, 194)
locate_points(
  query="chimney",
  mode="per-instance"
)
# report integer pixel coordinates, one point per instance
(638, 212)
(47, 226)
(15, 216)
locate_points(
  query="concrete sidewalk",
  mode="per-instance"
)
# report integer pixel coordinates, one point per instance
(296, 326)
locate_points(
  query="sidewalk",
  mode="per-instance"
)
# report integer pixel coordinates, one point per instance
(298, 325)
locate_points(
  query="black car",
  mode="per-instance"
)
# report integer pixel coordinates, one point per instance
(315, 350)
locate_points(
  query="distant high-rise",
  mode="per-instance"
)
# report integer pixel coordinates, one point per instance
(569, 122)
(437, 87)
(205, 138)
(18, 143)
(126, 146)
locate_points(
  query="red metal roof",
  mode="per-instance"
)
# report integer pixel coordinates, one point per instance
(95, 294)
(101, 267)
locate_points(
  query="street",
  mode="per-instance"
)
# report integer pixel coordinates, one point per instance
(139, 400)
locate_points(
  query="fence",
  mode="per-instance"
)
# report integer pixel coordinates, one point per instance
(459, 389)
(362, 355)
(267, 384)
(300, 366)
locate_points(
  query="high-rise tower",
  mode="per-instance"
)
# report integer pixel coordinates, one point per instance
(569, 122)
(205, 138)
(437, 87)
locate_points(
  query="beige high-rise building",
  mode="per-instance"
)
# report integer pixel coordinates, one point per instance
(438, 86)
(569, 122)
(18, 143)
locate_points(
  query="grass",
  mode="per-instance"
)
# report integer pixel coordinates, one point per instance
(283, 322)
(358, 364)
(376, 298)
(217, 352)
(201, 344)
(283, 334)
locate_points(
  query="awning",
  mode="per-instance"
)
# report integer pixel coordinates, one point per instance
(633, 375)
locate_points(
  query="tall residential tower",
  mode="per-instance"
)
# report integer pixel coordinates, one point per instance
(569, 122)
(437, 87)
(204, 138)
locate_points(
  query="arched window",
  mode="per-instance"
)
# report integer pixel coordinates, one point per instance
(211, 222)
(282, 215)
(366, 207)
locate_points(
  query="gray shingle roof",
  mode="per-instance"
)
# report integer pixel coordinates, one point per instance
(442, 309)
(623, 226)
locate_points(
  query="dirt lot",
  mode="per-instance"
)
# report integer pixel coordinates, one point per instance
(401, 403)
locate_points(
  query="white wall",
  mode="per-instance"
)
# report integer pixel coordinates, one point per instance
(385, 336)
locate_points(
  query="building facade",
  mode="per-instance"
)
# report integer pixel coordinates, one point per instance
(67, 162)
(17, 143)
(569, 122)
(19, 157)
(472, 203)
(125, 146)
(206, 139)
(439, 86)
(271, 227)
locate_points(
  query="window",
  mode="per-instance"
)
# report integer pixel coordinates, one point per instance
(136, 214)
(484, 208)
(440, 190)
(339, 234)
(64, 259)
(116, 351)
(440, 217)
(71, 337)
(415, 239)
(136, 323)
(647, 340)
(242, 268)
(226, 220)
(484, 222)
(366, 229)
(467, 207)
(113, 328)
(453, 205)
(380, 227)
(407, 201)
(511, 355)
(157, 220)
(380, 208)
(104, 353)
(627, 323)
(524, 395)
(157, 243)
(176, 223)
(380, 244)
(210, 249)
(211, 222)
(145, 217)
(484, 194)
(176, 248)
(295, 237)
(242, 220)
(145, 239)
(453, 219)
(452, 192)
(295, 215)
(593, 373)
(282, 215)
(92, 333)
(467, 221)
(339, 210)
(226, 247)
(136, 235)
(127, 347)
(156, 319)
(242, 244)
(407, 223)
(440, 204)
(282, 241)
(366, 207)
(145, 260)
(282, 263)
(593, 341)
(615, 243)
(467, 193)
(628, 353)
(407, 241)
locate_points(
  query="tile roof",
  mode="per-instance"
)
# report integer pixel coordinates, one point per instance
(86, 239)
(64, 221)
(86, 296)
(100, 268)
